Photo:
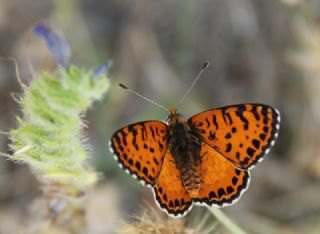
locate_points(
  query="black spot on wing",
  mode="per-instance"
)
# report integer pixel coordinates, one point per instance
(226, 117)
(234, 180)
(264, 110)
(145, 171)
(221, 192)
(138, 166)
(155, 161)
(123, 137)
(208, 123)
(134, 132)
(262, 136)
(255, 112)
(152, 132)
(256, 143)
(143, 132)
(228, 136)
(157, 132)
(212, 195)
(230, 190)
(176, 203)
(214, 119)
(116, 138)
(250, 152)
(212, 136)
(241, 109)
(229, 147)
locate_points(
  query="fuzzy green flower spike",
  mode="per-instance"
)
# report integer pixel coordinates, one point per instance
(49, 134)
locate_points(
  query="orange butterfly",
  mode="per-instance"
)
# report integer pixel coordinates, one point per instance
(204, 160)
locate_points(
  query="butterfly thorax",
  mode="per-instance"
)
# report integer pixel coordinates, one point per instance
(185, 149)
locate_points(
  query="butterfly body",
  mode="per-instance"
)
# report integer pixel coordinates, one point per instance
(204, 160)
(185, 148)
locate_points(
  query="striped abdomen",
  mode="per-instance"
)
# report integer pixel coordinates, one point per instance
(190, 179)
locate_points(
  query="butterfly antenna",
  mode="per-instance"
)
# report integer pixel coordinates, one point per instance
(204, 67)
(143, 97)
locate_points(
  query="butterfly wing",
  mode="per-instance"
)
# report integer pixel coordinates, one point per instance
(169, 193)
(242, 133)
(140, 148)
(221, 182)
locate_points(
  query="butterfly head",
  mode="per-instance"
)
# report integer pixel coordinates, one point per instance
(174, 116)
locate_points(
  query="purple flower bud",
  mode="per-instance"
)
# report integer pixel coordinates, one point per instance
(103, 69)
(57, 44)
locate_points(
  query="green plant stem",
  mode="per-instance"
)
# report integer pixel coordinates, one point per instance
(226, 221)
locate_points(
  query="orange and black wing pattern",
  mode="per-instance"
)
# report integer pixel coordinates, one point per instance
(169, 192)
(241, 133)
(221, 182)
(140, 148)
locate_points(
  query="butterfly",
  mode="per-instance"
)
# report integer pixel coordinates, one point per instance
(204, 160)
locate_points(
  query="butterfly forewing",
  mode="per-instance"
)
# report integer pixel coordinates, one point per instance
(170, 194)
(140, 148)
(242, 133)
(221, 182)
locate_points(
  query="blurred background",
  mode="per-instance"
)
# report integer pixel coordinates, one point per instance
(260, 51)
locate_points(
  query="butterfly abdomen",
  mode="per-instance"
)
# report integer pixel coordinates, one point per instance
(190, 179)
(186, 153)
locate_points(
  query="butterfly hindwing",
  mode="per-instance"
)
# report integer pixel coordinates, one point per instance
(242, 133)
(221, 182)
(169, 192)
(140, 148)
